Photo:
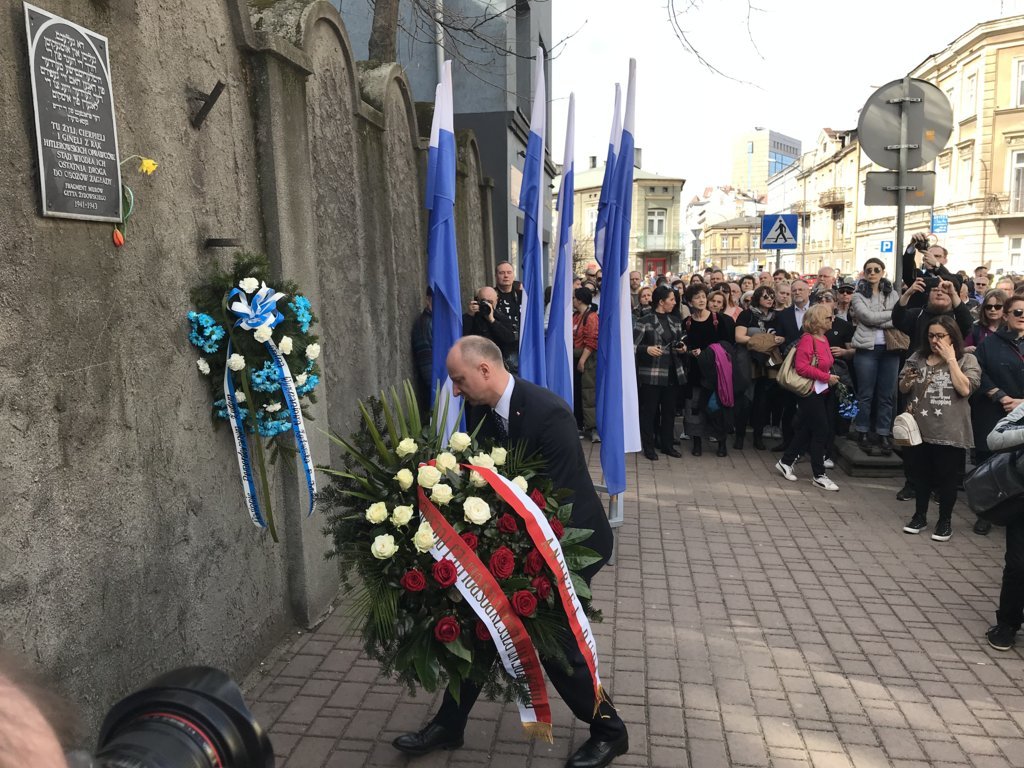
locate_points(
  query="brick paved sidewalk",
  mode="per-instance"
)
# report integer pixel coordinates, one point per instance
(749, 621)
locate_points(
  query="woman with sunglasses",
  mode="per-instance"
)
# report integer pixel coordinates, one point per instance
(758, 321)
(877, 367)
(990, 319)
(703, 328)
(938, 379)
(1001, 357)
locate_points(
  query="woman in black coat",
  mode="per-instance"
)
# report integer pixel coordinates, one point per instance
(1001, 356)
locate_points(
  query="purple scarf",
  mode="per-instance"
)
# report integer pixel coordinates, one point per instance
(723, 364)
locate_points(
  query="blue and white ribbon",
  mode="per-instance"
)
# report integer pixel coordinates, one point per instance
(262, 311)
(252, 501)
(291, 398)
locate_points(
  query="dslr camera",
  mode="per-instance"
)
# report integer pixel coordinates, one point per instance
(930, 280)
(484, 308)
(193, 717)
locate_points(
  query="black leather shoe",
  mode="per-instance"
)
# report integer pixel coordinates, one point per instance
(737, 443)
(697, 448)
(673, 453)
(650, 454)
(722, 449)
(597, 754)
(982, 527)
(759, 443)
(430, 739)
(885, 445)
(906, 493)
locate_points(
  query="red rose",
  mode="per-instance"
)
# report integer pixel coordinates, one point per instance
(502, 563)
(557, 527)
(414, 580)
(534, 563)
(538, 499)
(524, 603)
(481, 631)
(447, 630)
(543, 587)
(444, 572)
(471, 540)
(507, 523)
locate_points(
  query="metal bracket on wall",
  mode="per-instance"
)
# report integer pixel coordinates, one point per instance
(208, 99)
(222, 242)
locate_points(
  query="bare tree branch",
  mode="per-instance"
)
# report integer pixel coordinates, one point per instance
(677, 9)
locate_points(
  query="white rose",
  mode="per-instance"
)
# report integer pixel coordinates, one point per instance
(520, 481)
(300, 380)
(476, 510)
(236, 362)
(313, 351)
(428, 476)
(263, 334)
(384, 546)
(377, 513)
(459, 441)
(406, 448)
(203, 366)
(286, 345)
(404, 478)
(498, 455)
(423, 539)
(476, 479)
(272, 408)
(482, 460)
(441, 494)
(249, 284)
(447, 462)
(239, 396)
(402, 515)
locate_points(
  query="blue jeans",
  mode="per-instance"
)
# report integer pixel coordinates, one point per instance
(877, 371)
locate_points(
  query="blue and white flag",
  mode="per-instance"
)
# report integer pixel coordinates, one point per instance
(618, 420)
(442, 256)
(606, 182)
(558, 337)
(531, 203)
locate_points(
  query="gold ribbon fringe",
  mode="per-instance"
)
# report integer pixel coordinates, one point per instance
(539, 731)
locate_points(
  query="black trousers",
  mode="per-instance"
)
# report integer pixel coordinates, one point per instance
(574, 686)
(811, 432)
(755, 414)
(1011, 598)
(936, 468)
(657, 415)
(787, 418)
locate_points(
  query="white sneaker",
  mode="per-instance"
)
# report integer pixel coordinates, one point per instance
(786, 471)
(829, 464)
(825, 484)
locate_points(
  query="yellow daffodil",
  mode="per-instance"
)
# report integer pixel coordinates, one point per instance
(147, 166)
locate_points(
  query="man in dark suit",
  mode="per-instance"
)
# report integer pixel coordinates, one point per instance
(516, 411)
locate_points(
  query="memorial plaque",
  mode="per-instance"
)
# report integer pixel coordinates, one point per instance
(76, 135)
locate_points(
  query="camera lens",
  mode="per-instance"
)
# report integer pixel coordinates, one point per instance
(189, 718)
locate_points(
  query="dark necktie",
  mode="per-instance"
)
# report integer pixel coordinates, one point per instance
(500, 428)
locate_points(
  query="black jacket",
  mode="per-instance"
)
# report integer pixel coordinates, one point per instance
(910, 272)
(502, 332)
(543, 422)
(787, 326)
(1002, 368)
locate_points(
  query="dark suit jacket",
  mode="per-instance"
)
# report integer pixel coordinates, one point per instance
(786, 325)
(542, 420)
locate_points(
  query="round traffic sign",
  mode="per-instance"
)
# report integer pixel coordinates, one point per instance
(929, 125)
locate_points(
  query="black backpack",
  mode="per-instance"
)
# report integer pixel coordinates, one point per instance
(995, 488)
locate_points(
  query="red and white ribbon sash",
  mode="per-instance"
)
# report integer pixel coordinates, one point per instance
(544, 539)
(485, 596)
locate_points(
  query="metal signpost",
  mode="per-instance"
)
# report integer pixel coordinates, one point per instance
(903, 125)
(76, 134)
(779, 232)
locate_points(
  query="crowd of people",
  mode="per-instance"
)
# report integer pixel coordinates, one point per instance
(805, 361)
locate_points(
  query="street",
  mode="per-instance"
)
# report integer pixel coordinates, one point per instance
(748, 621)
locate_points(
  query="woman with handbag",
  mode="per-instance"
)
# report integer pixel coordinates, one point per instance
(812, 360)
(877, 361)
(755, 331)
(658, 345)
(1007, 435)
(703, 328)
(938, 380)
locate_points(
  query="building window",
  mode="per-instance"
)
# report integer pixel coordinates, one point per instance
(777, 161)
(725, 243)
(1016, 252)
(591, 220)
(656, 218)
(1017, 182)
(970, 104)
(1019, 74)
(963, 179)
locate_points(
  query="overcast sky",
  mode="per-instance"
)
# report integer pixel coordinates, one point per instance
(814, 66)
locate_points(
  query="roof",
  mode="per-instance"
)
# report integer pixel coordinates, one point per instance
(743, 222)
(593, 177)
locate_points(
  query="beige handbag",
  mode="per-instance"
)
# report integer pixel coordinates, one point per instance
(895, 340)
(793, 381)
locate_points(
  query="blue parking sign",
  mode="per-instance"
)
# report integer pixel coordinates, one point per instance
(886, 246)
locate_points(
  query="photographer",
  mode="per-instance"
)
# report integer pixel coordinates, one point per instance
(485, 319)
(942, 300)
(933, 265)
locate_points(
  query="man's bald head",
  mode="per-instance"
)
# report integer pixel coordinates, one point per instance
(477, 370)
(487, 294)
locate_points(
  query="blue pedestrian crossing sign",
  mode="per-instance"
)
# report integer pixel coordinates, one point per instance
(779, 230)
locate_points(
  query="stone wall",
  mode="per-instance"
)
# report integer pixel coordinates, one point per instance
(126, 549)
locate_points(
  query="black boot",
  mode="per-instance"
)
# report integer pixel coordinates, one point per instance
(722, 449)
(862, 442)
(696, 451)
(885, 445)
(737, 444)
(759, 442)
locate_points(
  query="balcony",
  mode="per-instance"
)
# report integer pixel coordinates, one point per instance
(833, 198)
(800, 206)
(645, 242)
